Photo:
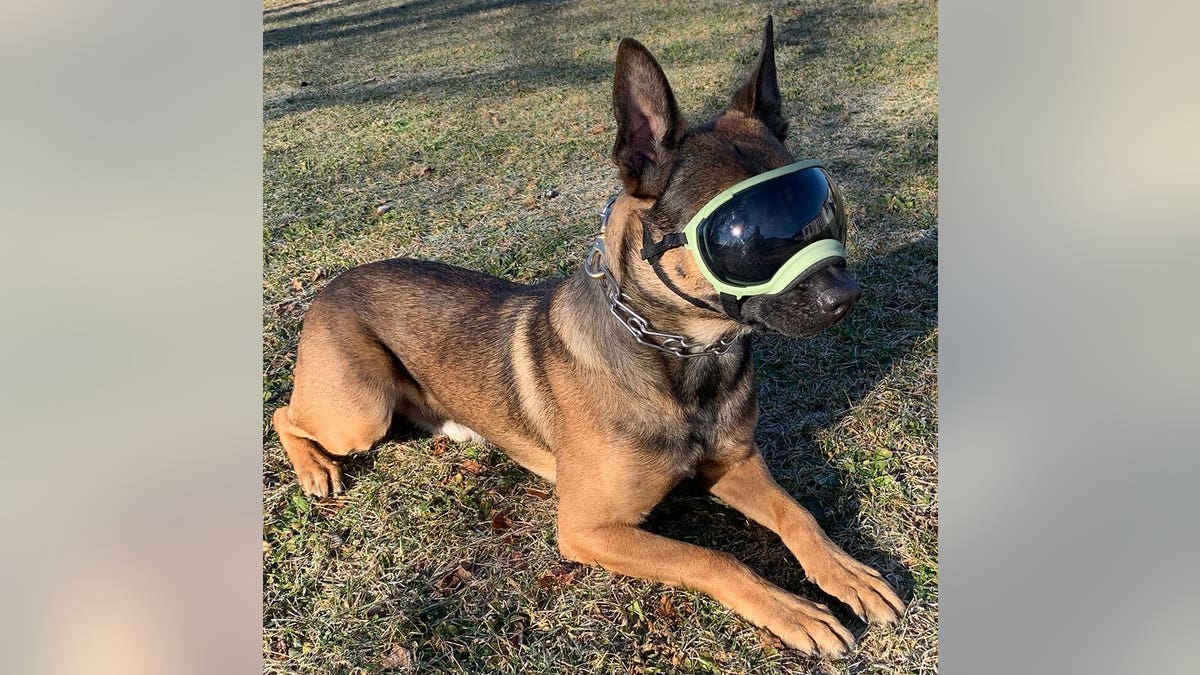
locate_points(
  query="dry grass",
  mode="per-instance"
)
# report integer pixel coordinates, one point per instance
(455, 118)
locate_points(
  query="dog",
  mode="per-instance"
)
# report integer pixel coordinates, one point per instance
(614, 384)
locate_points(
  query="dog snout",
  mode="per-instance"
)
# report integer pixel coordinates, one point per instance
(836, 291)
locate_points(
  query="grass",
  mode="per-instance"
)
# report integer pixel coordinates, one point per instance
(434, 130)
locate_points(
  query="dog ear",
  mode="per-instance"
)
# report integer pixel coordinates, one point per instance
(649, 125)
(759, 95)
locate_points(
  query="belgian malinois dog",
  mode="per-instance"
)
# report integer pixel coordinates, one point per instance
(615, 411)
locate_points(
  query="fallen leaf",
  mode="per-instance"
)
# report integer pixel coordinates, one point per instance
(319, 273)
(501, 522)
(666, 608)
(597, 129)
(555, 576)
(380, 210)
(398, 659)
(440, 443)
(470, 466)
(456, 577)
(537, 492)
(296, 285)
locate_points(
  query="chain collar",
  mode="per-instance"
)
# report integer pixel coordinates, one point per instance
(678, 345)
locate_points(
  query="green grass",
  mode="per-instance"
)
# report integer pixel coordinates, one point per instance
(433, 129)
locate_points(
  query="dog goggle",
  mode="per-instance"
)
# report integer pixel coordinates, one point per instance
(762, 234)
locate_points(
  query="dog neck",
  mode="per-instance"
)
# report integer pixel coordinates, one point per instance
(663, 310)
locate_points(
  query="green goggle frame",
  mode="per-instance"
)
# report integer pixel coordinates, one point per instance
(801, 261)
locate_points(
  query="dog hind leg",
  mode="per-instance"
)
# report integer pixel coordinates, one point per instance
(346, 389)
(318, 474)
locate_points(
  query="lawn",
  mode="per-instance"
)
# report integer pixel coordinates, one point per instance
(478, 132)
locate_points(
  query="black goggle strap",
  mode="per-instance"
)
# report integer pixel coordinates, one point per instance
(652, 251)
(732, 306)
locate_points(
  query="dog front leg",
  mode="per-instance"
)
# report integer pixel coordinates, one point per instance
(602, 498)
(747, 486)
(627, 549)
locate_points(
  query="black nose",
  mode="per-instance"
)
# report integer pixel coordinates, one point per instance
(837, 291)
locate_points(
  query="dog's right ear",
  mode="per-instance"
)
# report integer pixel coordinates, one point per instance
(649, 125)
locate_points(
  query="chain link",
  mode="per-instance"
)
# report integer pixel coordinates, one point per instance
(679, 345)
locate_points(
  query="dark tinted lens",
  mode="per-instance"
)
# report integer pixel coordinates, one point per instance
(747, 239)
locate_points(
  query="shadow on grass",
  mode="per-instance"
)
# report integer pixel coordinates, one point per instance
(407, 15)
(539, 74)
(534, 69)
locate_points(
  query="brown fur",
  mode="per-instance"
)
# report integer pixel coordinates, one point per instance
(548, 375)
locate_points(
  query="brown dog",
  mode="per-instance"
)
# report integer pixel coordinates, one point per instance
(582, 394)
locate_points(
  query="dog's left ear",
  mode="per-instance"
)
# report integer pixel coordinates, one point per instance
(759, 95)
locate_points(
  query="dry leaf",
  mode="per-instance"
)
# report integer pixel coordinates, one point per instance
(666, 608)
(382, 209)
(318, 274)
(470, 466)
(501, 522)
(545, 579)
(537, 492)
(598, 129)
(440, 443)
(296, 285)
(555, 576)
(456, 577)
(398, 659)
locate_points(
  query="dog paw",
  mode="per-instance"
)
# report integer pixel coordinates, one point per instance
(859, 586)
(807, 626)
(319, 477)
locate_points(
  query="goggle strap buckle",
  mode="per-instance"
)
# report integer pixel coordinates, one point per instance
(652, 251)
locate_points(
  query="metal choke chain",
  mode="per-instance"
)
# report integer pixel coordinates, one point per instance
(678, 345)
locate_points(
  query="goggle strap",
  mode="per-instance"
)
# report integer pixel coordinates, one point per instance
(662, 276)
(652, 251)
(732, 306)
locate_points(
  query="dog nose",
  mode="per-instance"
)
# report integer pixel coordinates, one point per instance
(839, 294)
(839, 300)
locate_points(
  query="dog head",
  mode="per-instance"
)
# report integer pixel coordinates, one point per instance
(673, 170)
